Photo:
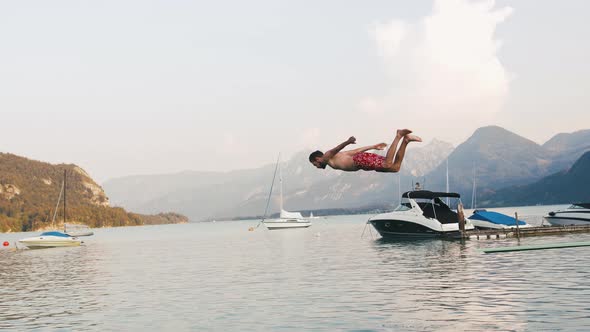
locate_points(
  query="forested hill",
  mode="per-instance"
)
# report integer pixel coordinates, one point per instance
(29, 191)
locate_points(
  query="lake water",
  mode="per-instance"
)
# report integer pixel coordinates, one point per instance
(222, 277)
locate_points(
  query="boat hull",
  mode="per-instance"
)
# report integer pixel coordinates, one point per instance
(560, 220)
(274, 225)
(49, 242)
(481, 224)
(392, 228)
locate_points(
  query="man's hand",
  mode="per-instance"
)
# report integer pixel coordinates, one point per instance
(380, 146)
(331, 153)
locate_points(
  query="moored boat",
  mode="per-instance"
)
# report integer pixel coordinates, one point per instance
(284, 223)
(422, 214)
(50, 240)
(53, 239)
(575, 214)
(286, 219)
(483, 219)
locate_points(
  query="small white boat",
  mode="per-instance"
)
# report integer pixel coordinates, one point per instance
(286, 219)
(286, 223)
(53, 239)
(311, 216)
(575, 214)
(50, 240)
(483, 219)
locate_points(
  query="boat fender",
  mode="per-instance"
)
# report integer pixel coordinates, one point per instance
(5, 243)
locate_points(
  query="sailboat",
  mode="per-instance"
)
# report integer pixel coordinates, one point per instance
(53, 239)
(311, 216)
(286, 219)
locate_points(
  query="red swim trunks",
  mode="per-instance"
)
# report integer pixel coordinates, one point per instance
(368, 161)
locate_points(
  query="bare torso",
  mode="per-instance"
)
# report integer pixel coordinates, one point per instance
(343, 161)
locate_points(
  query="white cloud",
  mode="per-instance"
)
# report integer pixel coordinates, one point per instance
(443, 66)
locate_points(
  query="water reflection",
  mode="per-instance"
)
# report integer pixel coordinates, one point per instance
(42, 287)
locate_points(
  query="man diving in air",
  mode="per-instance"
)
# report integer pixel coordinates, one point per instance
(358, 159)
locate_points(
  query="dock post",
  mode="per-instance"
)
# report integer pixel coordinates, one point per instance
(461, 217)
(517, 228)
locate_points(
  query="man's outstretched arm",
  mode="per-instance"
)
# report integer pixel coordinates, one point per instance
(329, 154)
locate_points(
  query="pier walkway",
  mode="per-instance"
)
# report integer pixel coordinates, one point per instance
(524, 232)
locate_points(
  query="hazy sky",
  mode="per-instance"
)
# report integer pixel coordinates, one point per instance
(140, 87)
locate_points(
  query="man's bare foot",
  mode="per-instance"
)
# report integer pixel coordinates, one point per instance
(412, 138)
(403, 132)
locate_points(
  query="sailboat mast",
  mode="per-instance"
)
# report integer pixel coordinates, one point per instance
(281, 184)
(447, 179)
(475, 188)
(65, 183)
(473, 191)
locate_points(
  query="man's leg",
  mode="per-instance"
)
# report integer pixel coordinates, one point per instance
(393, 147)
(399, 157)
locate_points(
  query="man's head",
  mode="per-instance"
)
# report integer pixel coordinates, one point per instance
(316, 159)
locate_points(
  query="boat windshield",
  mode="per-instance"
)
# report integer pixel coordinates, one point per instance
(403, 207)
(577, 206)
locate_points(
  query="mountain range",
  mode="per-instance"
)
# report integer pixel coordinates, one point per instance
(567, 186)
(493, 156)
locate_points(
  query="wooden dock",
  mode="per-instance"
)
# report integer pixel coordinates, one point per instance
(524, 232)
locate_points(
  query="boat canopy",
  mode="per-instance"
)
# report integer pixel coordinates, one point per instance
(495, 217)
(428, 194)
(60, 234)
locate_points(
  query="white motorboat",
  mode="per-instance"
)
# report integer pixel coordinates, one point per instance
(286, 219)
(422, 214)
(483, 219)
(50, 240)
(575, 214)
(53, 239)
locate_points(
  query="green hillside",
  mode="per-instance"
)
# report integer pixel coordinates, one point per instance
(29, 191)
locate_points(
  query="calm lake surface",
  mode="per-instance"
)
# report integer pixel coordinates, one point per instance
(222, 277)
